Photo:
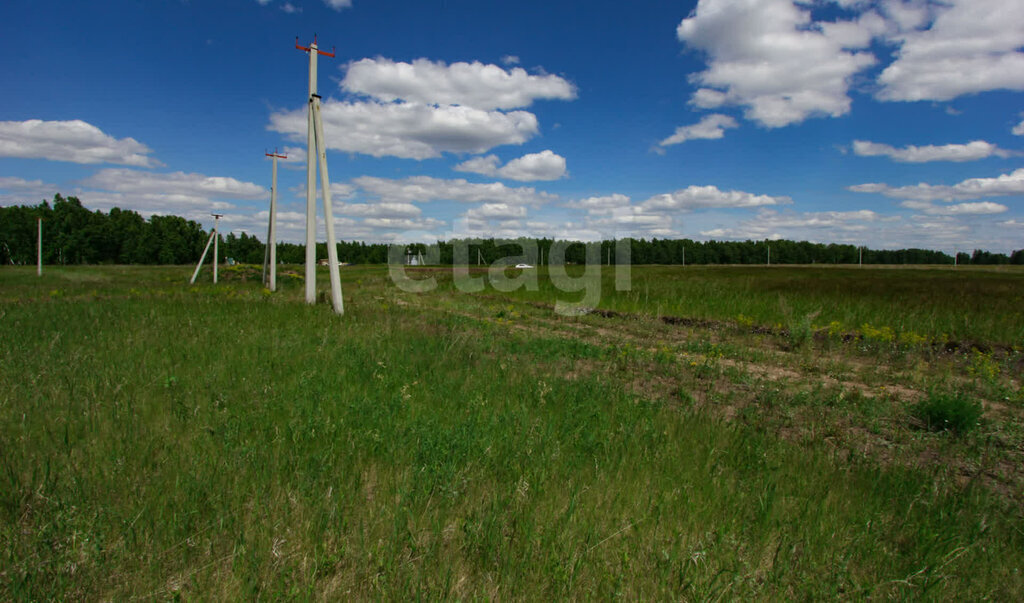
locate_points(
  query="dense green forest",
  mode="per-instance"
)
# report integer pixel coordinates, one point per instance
(76, 235)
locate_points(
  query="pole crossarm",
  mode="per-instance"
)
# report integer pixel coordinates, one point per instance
(313, 47)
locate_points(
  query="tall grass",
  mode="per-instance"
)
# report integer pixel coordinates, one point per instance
(159, 440)
(945, 304)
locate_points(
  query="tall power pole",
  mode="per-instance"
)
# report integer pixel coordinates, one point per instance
(39, 249)
(270, 255)
(316, 146)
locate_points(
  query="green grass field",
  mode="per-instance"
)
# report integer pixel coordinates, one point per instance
(784, 432)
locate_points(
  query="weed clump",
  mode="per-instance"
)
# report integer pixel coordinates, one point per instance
(948, 412)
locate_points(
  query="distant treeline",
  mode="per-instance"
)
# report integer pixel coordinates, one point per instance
(74, 235)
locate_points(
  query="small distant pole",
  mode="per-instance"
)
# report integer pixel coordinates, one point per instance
(860, 256)
(270, 257)
(216, 240)
(479, 258)
(768, 245)
(684, 255)
(956, 254)
(39, 249)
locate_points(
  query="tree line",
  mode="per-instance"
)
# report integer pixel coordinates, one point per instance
(73, 234)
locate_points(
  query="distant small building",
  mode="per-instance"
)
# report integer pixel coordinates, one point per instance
(413, 259)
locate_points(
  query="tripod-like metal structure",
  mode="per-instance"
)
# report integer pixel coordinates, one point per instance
(316, 146)
(215, 239)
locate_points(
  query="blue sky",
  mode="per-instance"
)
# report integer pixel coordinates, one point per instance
(889, 123)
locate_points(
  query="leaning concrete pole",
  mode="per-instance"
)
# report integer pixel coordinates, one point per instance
(202, 258)
(316, 152)
(325, 183)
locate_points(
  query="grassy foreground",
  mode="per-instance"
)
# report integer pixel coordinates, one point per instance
(160, 440)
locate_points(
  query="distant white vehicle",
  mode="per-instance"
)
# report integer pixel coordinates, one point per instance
(523, 266)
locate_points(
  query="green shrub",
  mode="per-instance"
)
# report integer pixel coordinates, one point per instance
(948, 412)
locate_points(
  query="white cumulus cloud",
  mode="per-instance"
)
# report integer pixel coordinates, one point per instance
(603, 204)
(13, 183)
(423, 109)
(409, 130)
(422, 189)
(769, 57)
(972, 188)
(545, 165)
(704, 197)
(958, 209)
(710, 127)
(19, 191)
(832, 226)
(479, 85)
(403, 223)
(378, 210)
(969, 46)
(188, 195)
(972, 151)
(138, 181)
(75, 141)
(496, 211)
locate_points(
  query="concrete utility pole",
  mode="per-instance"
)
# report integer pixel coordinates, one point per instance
(316, 145)
(270, 255)
(39, 249)
(769, 246)
(214, 236)
(216, 242)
